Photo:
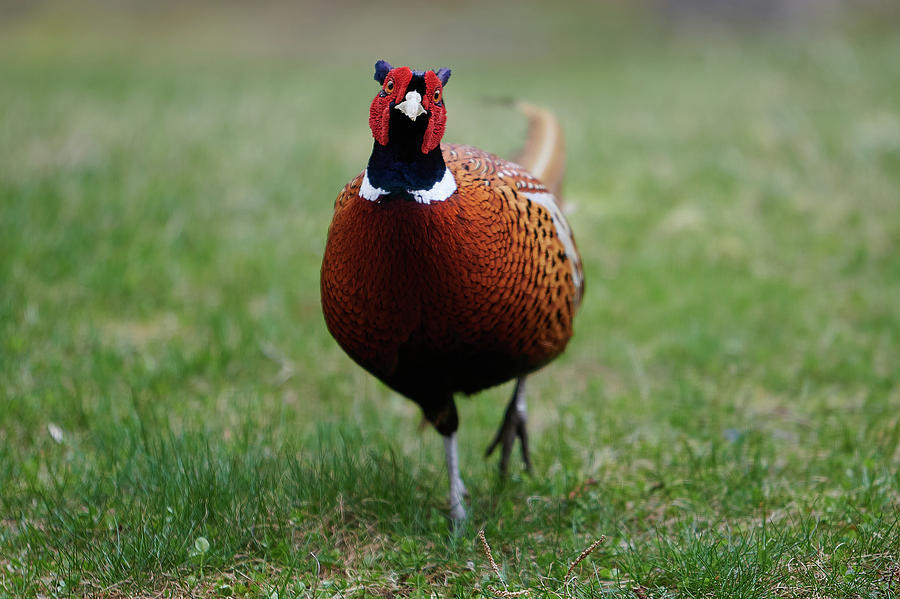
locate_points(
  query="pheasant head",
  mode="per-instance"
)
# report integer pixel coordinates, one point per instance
(409, 110)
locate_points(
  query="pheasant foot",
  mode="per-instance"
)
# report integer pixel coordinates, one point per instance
(512, 427)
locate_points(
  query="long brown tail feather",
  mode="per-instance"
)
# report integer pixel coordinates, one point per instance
(544, 151)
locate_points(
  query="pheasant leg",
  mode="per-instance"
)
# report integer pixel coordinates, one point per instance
(513, 426)
(457, 489)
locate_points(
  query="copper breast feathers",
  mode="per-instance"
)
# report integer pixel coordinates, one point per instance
(467, 292)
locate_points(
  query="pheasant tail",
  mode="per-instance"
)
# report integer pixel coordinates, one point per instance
(544, 152)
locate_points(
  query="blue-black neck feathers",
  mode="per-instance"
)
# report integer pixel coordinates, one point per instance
(400, 165)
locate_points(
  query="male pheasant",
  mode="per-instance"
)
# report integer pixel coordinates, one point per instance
(447, 269)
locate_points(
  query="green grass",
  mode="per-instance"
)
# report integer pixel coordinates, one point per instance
(728, 414)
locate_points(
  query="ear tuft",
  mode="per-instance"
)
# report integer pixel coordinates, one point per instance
(443, 74)
(382, 68)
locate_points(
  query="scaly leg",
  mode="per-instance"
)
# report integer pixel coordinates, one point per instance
(441, 413)
(513, 426)
(457, 489)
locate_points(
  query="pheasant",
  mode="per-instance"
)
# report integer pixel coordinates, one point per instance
(447, 269)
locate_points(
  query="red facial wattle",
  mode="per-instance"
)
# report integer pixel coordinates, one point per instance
(380, 111)
(434, 104)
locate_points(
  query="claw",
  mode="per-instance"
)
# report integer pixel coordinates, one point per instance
(513, 426)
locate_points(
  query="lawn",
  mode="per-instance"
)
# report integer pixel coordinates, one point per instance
(175, 419)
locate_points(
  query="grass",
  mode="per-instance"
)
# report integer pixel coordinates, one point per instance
(176, 421)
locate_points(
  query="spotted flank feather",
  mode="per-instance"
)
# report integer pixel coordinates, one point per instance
(532, 189)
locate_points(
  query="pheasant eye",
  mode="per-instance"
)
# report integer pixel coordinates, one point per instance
(437, 95)
(389, 86)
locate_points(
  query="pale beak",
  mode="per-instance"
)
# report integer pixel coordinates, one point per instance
(412, 106)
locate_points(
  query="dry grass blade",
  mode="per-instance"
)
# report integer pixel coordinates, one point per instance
(504, 592)
(581, 557)
(507, 593)
(490, 556)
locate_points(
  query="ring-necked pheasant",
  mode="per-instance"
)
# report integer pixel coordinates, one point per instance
(448, 269)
